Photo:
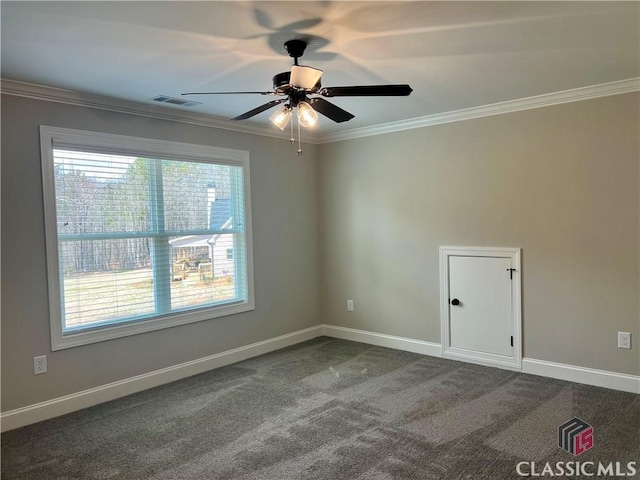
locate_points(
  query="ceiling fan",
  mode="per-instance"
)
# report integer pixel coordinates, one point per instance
(302, 89)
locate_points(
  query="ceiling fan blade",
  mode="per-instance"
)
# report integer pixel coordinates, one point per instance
(330, 110)
(259, 109)
(305, 77)
(228, 93)
(367, 91)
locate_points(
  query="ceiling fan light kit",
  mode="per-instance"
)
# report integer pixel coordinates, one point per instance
(303, 91)
(307, 116)
(281, 117)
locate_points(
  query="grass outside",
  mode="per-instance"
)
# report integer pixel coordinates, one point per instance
(101, 296)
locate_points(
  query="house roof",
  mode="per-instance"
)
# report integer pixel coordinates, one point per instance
(219, 219)
(191, 241)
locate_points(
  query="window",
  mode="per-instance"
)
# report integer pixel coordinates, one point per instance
(142, 234)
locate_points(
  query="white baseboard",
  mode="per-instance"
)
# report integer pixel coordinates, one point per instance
(383, 340)
(589, 376)
(570, 373)
(93, 396)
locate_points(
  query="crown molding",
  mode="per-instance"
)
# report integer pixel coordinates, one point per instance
(538, 101)
(70, 97)
(90, 100)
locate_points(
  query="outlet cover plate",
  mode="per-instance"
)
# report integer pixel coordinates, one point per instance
(40, 365)
(624, 340)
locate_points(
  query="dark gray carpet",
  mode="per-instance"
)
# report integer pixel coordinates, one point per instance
(328, 409)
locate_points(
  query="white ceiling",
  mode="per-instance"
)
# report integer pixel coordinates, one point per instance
(455, 55)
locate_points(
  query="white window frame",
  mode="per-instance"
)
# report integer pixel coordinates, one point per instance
(61, 138)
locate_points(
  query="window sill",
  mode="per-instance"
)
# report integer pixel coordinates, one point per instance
(61, 341)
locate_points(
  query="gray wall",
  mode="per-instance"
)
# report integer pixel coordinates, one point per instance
(363, 219)
(284, 194)
(560, 182)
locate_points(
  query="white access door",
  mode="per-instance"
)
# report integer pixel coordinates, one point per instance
(482, 318)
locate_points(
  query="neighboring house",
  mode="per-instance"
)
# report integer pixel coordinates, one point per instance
(220, 246)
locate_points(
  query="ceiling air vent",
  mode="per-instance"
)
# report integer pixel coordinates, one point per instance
(175, 101)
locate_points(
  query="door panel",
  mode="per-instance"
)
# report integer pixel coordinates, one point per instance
(482, 322)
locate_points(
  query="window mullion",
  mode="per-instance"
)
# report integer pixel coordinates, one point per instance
(238, 224)
(161, 250)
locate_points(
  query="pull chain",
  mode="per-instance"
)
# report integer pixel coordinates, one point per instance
(291, 139)
(299, 142)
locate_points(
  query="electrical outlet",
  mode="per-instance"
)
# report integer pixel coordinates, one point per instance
(40, 365)
(349, 305)
(624, 340)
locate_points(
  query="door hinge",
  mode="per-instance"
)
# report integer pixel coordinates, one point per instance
(511, 270)
(512, 340)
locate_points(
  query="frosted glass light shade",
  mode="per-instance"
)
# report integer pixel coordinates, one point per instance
(305, 77)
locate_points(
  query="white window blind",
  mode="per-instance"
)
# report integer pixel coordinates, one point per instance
(142, 241)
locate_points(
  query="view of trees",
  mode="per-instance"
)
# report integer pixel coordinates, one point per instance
(107, 208)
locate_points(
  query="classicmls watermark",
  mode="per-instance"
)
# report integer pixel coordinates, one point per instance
(576, 437)
(574, 469)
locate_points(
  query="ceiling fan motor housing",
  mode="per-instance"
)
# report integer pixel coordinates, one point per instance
(281, 80)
